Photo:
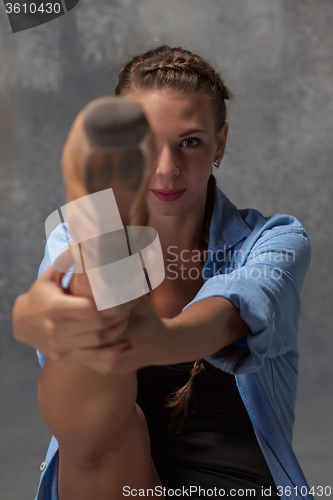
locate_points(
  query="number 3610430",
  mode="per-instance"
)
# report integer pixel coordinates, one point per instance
(31, 8)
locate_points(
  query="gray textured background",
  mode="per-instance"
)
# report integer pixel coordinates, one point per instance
(276, 55)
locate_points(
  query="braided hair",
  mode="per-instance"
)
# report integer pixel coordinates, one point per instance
(179, 70)
(189, 74)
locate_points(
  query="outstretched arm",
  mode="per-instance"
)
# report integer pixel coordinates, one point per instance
(199, 331)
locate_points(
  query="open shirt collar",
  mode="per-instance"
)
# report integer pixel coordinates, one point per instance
(227, 226)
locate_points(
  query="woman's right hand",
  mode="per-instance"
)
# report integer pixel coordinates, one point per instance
(65, 327)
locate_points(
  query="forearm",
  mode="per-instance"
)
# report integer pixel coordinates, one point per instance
(84, 409)
(202, 329)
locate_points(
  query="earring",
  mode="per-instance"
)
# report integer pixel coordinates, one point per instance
(217, 163)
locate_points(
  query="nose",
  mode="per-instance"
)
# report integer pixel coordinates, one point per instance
(165, 164)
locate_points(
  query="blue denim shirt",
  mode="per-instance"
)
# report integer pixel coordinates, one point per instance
(259, 264)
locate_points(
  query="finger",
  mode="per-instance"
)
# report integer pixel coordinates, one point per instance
(70, 305)
(127, 306)
(74, 339)
(102, 320)
(64, 261)
(100, 324)
(99, 358)
(73, 307)
(50, 274)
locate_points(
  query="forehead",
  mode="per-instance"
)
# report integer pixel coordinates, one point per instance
(167, 107)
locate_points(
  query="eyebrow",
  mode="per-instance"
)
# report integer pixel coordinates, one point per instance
(192, 131)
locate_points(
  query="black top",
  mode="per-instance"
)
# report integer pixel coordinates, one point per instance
(217, 447)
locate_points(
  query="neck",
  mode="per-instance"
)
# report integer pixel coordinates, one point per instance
(183, 231)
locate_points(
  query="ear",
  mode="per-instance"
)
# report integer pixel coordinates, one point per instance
(222, 141)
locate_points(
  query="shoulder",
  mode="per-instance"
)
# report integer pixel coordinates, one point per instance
(279, 237)
(275, 223)
(248, 228)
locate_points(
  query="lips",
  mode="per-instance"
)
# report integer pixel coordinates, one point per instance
(168, 195)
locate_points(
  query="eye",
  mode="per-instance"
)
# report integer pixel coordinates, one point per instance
(192, 142)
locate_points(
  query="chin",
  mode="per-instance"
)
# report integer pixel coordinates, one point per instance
(164, 211)
(169, 210)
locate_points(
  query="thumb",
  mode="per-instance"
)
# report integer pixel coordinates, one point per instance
(52, 275)
(64, 261)
(59, 268)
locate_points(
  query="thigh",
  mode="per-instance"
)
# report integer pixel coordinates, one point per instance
(126, 467)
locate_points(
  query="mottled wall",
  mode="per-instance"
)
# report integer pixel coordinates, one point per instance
(276, 55)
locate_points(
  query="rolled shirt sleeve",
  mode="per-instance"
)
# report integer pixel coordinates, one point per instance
(264, 283)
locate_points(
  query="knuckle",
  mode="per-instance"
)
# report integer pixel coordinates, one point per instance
(52, 333)
(98, 323)
(53, 304)
(110, 360)
(55, 332)
(106, 369)
(125, 324)
(103, 323)
(50, 329)
(55, 356)
(60, 356)
(121, 327)
(99, 339)
(106, 366)
(106, 313)
(113, 332)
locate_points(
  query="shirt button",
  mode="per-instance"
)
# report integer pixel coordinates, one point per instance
(42, 466)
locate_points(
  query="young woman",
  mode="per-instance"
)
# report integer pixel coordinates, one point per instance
(191, 392)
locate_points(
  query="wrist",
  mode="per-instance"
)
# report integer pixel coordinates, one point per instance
(170, 344)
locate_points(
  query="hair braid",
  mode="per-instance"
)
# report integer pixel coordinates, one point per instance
(192, 67)
(177, 69)
(179, 401)
(210, 201)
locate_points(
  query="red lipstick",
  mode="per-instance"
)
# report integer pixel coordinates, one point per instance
(168, 195)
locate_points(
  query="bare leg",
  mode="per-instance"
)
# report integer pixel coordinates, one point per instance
(109, 146)
(102, 433)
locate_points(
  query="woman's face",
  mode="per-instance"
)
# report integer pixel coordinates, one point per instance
(187, 145)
